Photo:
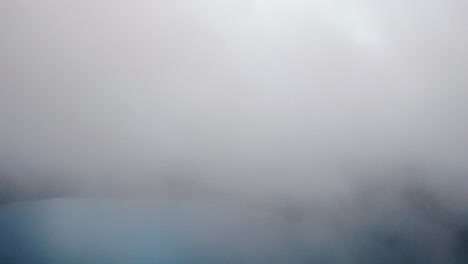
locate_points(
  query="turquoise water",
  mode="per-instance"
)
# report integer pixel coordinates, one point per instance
(193, 231)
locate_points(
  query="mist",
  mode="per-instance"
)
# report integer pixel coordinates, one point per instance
(325, 103)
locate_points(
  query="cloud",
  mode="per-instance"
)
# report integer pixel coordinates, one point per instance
(281, 97)
(354, 109)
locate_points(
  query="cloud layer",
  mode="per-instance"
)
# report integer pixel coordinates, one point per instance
(252, 97)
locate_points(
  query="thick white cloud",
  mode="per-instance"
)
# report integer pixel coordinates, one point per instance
(254, 96)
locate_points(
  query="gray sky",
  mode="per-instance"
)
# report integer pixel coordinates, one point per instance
(258, 97)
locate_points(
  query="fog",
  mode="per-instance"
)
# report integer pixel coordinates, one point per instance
(327, 102)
